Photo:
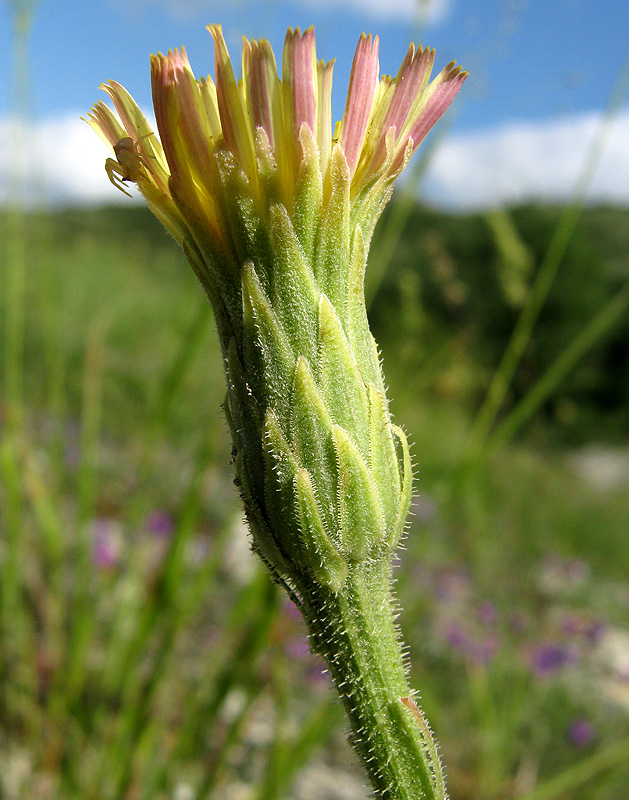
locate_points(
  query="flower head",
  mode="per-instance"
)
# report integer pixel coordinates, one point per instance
(275, 209)
(275, 212)
(269, 130)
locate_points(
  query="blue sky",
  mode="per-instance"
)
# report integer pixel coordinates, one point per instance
(536, 68)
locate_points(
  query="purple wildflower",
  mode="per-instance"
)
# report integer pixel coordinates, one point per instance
(575, 625)
(580, 733)
(550, 657)
(457, 637)
(479, 650)
(487, 614)
(106, 543)
(160, 524)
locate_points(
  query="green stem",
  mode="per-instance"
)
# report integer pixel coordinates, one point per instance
(355, 632)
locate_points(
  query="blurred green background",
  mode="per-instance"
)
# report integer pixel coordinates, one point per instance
(144, 653)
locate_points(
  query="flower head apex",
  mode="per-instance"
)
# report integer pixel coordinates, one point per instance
(268, 128)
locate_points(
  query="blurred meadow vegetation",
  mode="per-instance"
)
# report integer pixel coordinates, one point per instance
(144, 653)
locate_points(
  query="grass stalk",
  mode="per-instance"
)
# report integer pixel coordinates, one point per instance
(551, 262)
(593, 333)
(609, 758)
(15, 242)
(174, 375)
(82, 609)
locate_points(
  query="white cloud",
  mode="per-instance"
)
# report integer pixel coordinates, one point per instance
(507, 164)
(530, 160)
(426, 11)
(63, 159)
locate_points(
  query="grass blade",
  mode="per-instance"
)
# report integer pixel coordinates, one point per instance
(588, 338)
(548, 269)
(612, 756)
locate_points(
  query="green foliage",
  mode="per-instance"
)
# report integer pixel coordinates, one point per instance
(448, 285)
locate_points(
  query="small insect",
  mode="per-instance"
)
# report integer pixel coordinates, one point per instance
(129, 163)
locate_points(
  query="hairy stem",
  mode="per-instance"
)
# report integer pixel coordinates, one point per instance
(355, 632)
